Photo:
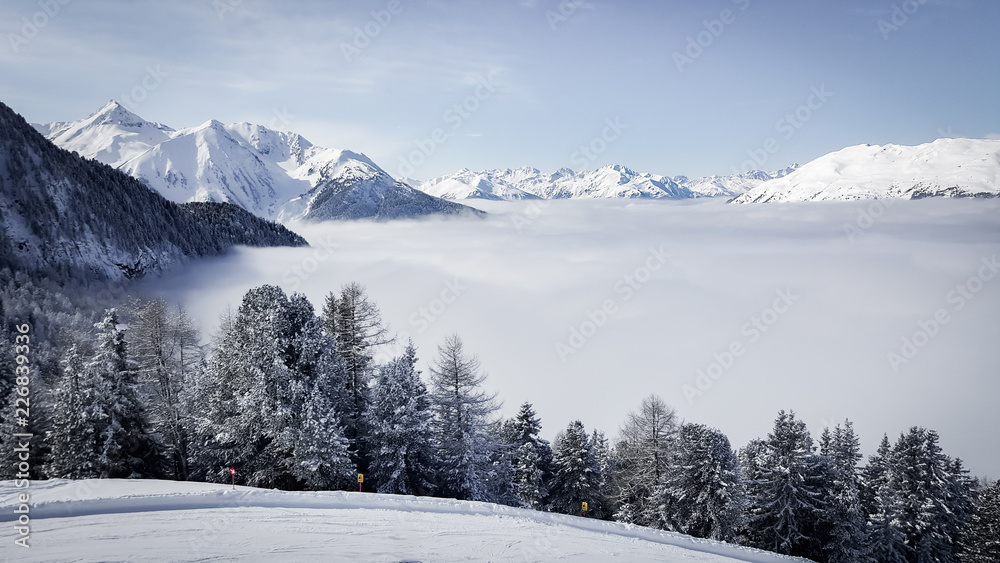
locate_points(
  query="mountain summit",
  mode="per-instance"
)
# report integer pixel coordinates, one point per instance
(64, 217)
(609, 181)
(112, 134)
(944, 168)
(273, 174)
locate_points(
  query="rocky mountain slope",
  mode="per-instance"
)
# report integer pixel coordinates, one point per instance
(68, 217)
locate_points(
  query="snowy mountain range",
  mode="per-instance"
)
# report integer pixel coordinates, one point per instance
(282, 176)
(65, 217)
(274, 175)
(611, 181)
(943, 168)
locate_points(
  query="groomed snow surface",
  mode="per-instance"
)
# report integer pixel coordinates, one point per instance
(141, 520)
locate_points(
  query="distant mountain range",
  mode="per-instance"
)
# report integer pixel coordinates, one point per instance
(943, 168)
(282, 176)
(611, 181)
(64, 217)
(272, 174)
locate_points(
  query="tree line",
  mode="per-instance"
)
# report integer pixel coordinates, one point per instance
(294, 399)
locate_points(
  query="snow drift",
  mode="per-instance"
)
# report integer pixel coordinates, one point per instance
(139, 520)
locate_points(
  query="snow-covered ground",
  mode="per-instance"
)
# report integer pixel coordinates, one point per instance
(139, 520)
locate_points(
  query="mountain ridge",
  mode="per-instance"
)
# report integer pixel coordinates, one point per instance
(269, 173)
(608, 181)
(69, 217)
(945, 167)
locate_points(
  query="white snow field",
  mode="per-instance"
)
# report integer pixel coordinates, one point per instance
(141, 520)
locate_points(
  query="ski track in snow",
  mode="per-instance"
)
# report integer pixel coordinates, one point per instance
(141, 520)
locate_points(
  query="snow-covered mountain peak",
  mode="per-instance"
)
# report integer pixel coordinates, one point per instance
(211, 124)
(945, 167)
(112, 134)
(114, 113)
(289, 149)
(325, 164)
(272, 174)
(608, 181)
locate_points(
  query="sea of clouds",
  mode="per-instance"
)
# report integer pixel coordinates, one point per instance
(884, 314)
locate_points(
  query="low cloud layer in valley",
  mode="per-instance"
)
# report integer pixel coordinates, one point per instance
(883, 314)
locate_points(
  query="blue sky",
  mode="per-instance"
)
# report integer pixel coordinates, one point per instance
(694, 88)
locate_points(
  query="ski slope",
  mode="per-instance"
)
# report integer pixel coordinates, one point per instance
(139, 520)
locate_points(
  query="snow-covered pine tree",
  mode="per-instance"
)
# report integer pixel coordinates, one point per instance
(600, 452)
(790, 499)
(874, 476)
(355, 322)
(8, 426)
(703, 493)
(752, 459)
(320, 456)
(932, 503)
(463, 412)
(575, 477)
(845, 519)
(880, 504)
(126, 447)
(7, 371)
(642, 458)
(400, 440)
(531, 456)
(247, 383)
(961, 491)
(498, 475)
(982, 537)
(529, 476)
(271, 397)
(76, 420)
